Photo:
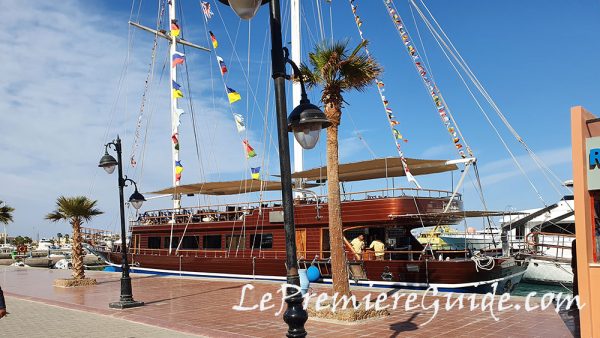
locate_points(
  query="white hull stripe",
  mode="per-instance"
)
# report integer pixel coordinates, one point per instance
(326, 280)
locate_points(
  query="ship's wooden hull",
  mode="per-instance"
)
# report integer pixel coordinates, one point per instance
(454, 275)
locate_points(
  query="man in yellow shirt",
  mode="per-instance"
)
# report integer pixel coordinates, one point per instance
(379, 249)
(358, 244)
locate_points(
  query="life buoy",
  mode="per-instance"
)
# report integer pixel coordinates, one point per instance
(22, 249)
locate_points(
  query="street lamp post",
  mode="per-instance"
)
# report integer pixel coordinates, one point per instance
(305, 121)
(108, 163)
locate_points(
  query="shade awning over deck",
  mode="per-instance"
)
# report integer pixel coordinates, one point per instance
(379, 168)
(225, 188)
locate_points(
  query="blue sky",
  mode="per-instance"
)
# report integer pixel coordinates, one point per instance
(62, 97)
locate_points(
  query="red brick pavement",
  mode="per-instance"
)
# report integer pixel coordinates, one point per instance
(204, 307)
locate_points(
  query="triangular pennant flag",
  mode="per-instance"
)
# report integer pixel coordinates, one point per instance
(213, 38)
(175, 140)
(222, 66)
(178, 58)
(175, 28)
(233, 95)
(255, 173)
(249, 150)
(177, 93)
(206, 10)
(412, 179)
(397, 134)
(239, 122)
(176, 85)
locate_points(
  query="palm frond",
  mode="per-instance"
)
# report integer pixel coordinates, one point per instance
(6, 213)
(74, 208)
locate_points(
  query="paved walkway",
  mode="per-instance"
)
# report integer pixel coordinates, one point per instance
(204, 307)
(34, 319)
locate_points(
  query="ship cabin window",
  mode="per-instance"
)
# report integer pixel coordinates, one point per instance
(262, 241)
(190, 242)
(153, 242)
(235, 242)
(173, 243)
(211, 242)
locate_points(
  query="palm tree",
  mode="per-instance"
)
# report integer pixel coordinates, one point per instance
(337, 70)
(5, 215)
(59, 236)
(75, 210)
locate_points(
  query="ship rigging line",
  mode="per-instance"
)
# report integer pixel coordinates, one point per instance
(149, 80)
(513, 157)
(463, 64)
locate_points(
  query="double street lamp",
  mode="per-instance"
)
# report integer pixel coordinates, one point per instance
(108, 163)
(306, 122)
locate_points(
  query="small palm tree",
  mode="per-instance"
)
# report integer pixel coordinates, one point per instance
(75, 210)
(5, 215)
(337, 70)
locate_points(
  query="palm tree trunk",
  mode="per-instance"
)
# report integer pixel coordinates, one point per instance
(77, 251)
(339, 267)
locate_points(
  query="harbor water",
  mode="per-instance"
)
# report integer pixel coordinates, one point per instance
(524, 288)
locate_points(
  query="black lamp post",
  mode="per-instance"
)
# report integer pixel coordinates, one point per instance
(108, 163)
(304, 115)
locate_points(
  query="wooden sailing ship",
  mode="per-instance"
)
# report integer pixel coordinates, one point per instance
(247, 240)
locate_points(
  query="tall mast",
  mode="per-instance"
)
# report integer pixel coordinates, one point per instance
(296, 91)
(174, 117)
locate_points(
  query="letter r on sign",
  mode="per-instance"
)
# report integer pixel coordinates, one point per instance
(594, 158)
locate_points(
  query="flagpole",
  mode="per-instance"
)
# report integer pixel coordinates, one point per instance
(174, 117)
(296, 90)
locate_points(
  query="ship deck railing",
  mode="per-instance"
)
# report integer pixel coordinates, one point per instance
(237, 211)
(305, 256)
(550, 244)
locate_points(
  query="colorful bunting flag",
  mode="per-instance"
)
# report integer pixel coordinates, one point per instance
(255, 173)
(239, 122)
(233, 95)
(175, 28)
(178, 170)
(206, 10)
(433, 90)
(175, 140)
(249, 150)
(222, 66)
(177, 93)
(178, 58)
(213, 38)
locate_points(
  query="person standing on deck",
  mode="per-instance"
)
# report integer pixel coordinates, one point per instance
(379, 248)
(358, 245)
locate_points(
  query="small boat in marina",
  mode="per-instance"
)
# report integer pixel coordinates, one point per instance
(431, 236)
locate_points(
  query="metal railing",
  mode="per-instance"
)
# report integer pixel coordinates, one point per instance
(551, 245)
(237, 211)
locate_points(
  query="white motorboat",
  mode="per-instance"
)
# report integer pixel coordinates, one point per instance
(548, 237)
(473, 239)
